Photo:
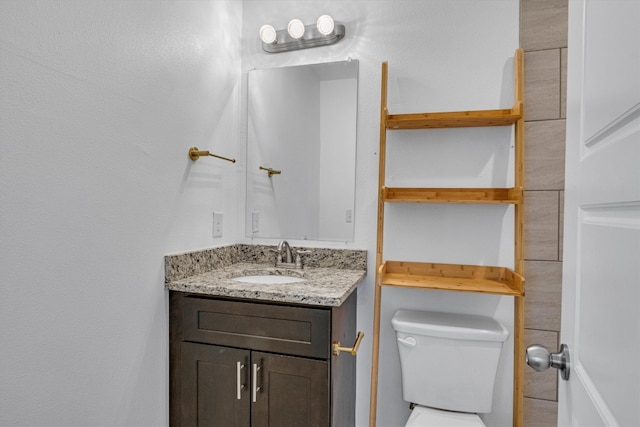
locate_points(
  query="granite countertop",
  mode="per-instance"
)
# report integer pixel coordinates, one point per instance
(321, 286)
(328, 285)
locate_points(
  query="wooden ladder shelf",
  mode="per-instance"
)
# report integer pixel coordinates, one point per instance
(456, 277)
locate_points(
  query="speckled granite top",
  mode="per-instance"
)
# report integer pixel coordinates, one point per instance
(330, 275)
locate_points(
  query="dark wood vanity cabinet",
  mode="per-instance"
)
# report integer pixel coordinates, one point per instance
(239, 363)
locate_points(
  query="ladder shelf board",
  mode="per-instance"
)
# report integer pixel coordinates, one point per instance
(453, 195)
(452, 277)
(454, 119)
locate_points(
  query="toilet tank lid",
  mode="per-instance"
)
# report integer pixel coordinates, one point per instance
(449, 325)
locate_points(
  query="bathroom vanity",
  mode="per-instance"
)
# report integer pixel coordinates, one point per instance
(260, 354)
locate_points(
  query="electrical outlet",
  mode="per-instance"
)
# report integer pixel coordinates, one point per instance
(255, 222)
(217, 224)
(348, 216)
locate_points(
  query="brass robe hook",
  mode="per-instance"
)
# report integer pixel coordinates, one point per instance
(270, 172)
(195, 154)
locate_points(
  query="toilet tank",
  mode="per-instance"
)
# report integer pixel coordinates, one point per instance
(448, 361)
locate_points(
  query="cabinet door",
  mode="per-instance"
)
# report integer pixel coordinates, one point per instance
(215, 390)
(291, 391)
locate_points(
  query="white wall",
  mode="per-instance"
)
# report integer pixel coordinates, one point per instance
(99, 103)
(443, 55)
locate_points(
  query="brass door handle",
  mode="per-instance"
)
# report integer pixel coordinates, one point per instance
(336, 349)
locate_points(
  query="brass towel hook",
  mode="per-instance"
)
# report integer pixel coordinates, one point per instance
(336, 349)
(270, 172)
(195, 154)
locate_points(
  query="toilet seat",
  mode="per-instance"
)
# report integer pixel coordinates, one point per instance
(421, 416)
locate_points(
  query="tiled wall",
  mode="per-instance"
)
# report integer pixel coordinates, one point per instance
(543, 36)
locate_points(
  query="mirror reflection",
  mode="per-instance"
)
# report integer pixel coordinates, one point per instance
(301, 149)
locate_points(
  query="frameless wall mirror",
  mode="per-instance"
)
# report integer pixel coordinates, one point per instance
(301, 151)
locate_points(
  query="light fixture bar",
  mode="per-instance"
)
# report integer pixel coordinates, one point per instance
(311, 38)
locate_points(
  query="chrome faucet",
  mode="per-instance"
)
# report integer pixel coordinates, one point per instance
(287, 257)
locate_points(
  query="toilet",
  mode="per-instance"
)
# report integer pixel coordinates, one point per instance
(449, 364)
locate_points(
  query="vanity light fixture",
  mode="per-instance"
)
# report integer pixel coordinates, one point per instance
(299, 36)
(295, 28)
(325, 25)
(267, 34)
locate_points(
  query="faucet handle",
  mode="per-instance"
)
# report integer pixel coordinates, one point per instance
(299, 258)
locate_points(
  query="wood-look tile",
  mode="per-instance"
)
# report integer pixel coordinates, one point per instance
(542, 85)
(540, 413)
(563, 83)
(543, 24)
(544, 159)
(541, 225)
(541, 385)
(542, 305)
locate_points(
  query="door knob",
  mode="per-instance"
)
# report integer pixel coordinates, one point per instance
(540, 359)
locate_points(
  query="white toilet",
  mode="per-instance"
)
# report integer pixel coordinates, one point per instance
(449, 364)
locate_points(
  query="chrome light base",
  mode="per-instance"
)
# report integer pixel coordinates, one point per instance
(311, 38)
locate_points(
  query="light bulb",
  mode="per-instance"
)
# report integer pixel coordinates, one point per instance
(267, 34)
(325, 25)
(295, 28)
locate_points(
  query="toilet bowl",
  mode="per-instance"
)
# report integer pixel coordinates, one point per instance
(448, 364)
(421, 416)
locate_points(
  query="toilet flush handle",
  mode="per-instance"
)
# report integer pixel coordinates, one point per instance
(408, 341)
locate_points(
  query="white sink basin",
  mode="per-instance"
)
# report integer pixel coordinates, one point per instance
(268, 279)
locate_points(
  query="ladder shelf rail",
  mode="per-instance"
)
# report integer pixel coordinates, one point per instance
(455, 277)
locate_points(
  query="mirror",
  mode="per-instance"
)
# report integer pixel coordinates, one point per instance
(301, 151)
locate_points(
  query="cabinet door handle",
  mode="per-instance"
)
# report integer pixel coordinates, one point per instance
(239, 385)
(255, 388)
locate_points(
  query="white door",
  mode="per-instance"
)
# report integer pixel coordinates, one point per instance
(601, 283)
